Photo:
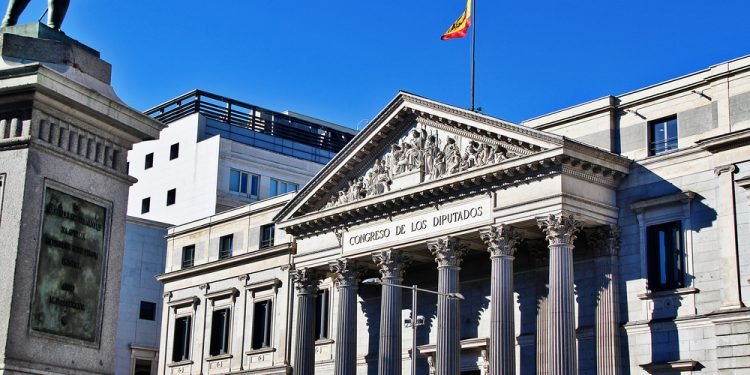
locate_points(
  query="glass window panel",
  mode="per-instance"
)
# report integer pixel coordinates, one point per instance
(234, 180)
(243, 183)
(255, 185)
(274, 187)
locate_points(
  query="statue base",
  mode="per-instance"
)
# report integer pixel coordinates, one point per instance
(37, 42)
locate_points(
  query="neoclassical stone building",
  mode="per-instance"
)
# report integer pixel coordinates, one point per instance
(606, 238)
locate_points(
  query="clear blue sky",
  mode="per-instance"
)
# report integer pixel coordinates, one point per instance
(343, 60)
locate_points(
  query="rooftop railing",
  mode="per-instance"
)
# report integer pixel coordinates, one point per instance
(248, 116)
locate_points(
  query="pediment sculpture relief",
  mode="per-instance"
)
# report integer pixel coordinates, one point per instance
(423, 154)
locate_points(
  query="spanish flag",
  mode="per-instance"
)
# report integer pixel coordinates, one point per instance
(461, 26)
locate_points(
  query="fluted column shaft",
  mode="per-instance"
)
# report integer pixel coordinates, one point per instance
(562, 354)
(448, 253)
(347, 275)
(501, 243)
(605, 241)
(305, 281)
(391, 264)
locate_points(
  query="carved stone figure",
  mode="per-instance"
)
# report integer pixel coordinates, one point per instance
(394, 159)
(56, 10)
(472, 151)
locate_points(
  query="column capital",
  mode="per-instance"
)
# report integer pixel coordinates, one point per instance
(305, 280)
(605, 240)
(560, 229)
(447, 251)
(729, 168)
(501, 240)
(391, 263)
(347, 272)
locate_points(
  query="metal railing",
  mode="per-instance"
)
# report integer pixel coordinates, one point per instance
(248, 116)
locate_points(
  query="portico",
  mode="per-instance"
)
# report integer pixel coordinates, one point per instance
(434, 194)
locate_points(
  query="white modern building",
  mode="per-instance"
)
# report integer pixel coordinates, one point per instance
(217, 153)
(605, 238)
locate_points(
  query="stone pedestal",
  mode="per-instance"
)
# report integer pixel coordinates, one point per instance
(64, 137)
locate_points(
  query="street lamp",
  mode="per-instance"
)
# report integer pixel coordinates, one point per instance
(416, 320)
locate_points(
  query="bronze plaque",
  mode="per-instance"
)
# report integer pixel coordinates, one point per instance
(69, 269)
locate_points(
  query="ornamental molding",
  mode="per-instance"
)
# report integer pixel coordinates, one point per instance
(305, 280)
(560, 229)
(448, 251)
(501, 240)
(346, 272)
(605, 240)
(391, 263)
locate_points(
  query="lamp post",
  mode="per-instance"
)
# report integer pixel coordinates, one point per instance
(416, 320)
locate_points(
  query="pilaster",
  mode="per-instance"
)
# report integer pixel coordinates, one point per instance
(391, 264)
(501, 241)
(448, 253)
(606, 243)
(560, 231)
(305, 283)
(347, 273)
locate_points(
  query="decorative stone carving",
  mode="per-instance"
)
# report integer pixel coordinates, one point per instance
(419, 151)
(448, 251)
(305, 280)
(501, 240)
(605, 240)
(391, 263)
(346, 271)
(560, 228)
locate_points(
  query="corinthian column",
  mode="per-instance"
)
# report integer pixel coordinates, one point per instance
(606, 243)
(305, 282)
(347, 280)
(391, 264)
(448, 252)
(561, 232)
(501, 242)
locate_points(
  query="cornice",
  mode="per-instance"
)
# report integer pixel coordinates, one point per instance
(726, 141)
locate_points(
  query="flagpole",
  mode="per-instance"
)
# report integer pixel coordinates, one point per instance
(473, 47)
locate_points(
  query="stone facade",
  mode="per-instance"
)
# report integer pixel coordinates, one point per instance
(584, 249)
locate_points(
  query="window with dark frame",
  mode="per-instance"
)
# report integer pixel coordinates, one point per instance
(225, 246)
(262, 318)
(666, 263)
(244, 183)
(219, 332)
(149, 162)
(147, 311)
(662, 135)
(188, 256)
(322, 306)
(266, 235)
(181, 344)
(171, 196)
(142, 367)
(174, 151)
(145, 205)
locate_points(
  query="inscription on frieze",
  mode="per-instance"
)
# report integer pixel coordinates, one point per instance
(429, 223)
(69, 270)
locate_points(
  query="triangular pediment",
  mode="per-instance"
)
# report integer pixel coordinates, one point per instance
(412, 142)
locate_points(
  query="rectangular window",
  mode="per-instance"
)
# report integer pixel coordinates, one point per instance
(149, 161)
(662, 135)
(188, 256)
(666, 268)
(266, 235)
(142, 367)
(219, 332)
(171, 196)
(145, 205)
(262, 317)
(174, 151)
(244, 183)
(225, 246)
(279, 187)
(181, 345)
(148, 311)
(322, 305)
